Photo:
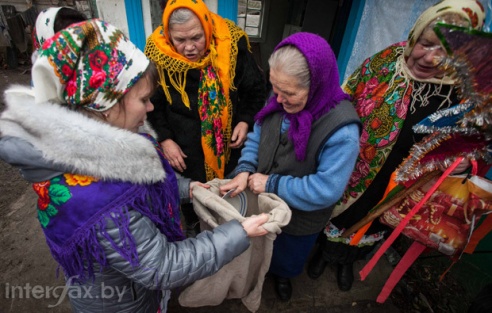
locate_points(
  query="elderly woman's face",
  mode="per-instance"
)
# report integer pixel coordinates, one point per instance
(425, 56)
(189, 39)
(288, 92)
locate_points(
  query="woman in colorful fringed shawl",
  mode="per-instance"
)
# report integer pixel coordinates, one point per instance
(392, 90)
(108, 201)
(211, 88)
(303, 148)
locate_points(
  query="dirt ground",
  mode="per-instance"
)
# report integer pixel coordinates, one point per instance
(26, 264)
(25, 261)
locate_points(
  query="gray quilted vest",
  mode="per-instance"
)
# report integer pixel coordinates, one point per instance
(277, 156)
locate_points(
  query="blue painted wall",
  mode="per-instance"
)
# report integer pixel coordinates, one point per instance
(227, 9)
(349, 37)
(134, 16)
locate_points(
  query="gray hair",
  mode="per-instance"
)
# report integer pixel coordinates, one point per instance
(290, 61)
(180, 16)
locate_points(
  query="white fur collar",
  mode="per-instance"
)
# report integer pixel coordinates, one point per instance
(88, 146)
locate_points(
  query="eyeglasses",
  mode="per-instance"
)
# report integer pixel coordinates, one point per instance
(431, 48)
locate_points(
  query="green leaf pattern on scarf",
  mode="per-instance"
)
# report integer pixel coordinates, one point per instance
(50, 192)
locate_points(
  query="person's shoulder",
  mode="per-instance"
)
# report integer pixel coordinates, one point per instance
(391, 49)
(237, 34)
(388, 54)
(348, 133)
(398, 44)
(233, 26)
(242, 46)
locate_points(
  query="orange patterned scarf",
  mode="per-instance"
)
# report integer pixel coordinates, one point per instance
(221, 40)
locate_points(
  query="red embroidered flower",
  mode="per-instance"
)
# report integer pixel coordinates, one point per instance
(220, 146)
(363, 71)
(115, 70)
(43, 196)
(211, 75)
(369, 152)
(47, 43)
(360, 171)
(219, 142)
(371, 85)
(217, 123)
(71, 88)
(67, 70)
(203, 111)
(401, 108)
(385, 53)
(366, 107)
(473, 16)
(51, 194)
(360, 88)
(97, 79)
(97, 60)
(375, 123)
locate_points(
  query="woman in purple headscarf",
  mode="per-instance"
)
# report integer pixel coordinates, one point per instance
(303, 148)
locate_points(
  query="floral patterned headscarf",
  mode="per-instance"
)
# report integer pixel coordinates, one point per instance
(44, 27)
(471, 11)
(90, 64)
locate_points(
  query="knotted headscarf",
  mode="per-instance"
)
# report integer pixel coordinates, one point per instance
(324, 92)
(90, 64)
(218, 68)
(471, 11)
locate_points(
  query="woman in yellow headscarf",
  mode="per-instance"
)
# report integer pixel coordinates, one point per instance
(211, 88)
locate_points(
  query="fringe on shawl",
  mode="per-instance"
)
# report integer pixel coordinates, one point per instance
(78, 256)
(421, 91)
(177, 69)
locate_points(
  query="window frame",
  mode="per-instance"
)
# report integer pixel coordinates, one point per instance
(263, 13)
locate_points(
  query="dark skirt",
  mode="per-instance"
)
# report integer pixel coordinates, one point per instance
(290, 254)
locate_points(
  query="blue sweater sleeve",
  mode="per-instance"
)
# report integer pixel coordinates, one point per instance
(325, 187)
(249, 155)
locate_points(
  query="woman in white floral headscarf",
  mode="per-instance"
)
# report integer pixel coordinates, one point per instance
(108, 201)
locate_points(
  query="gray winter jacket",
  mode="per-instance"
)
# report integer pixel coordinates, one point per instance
(30, 139)
(163, 266)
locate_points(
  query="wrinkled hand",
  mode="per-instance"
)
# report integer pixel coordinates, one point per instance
(257, 182)
(253, 225)
(174, 155)
(239, 135)
(459, 169)
(197, 183)
(238, 183)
